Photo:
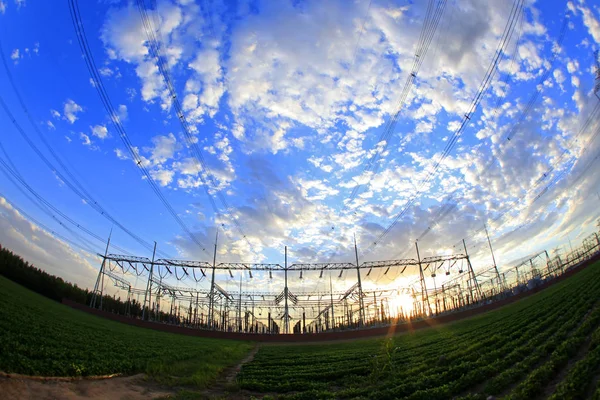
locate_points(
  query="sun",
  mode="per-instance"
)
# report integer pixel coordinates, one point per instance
(401, 304)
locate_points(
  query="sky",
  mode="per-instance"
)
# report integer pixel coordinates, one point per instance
(298, 124)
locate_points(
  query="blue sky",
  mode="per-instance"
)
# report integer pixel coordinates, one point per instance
(286, 104)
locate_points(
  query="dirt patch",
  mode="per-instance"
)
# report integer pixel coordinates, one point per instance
(230, 374)
(136, 387)
(122, 388)
(226, 387)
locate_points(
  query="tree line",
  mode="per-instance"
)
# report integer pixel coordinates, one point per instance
(13, 267)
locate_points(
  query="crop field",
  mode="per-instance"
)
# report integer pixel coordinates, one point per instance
(547, 345)
(41, 337)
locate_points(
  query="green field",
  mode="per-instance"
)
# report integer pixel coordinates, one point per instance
(547, 345)
(543, 346)
(41, 337)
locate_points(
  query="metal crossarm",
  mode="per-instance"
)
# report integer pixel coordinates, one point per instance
(389, 263)
(320, 266)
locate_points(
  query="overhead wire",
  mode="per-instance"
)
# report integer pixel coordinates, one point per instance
(430, 24)
(71, 181)
(16, 178)
(50, 231)
(434, 12)
(570, 164)
(210, 181)
(527, 110)
(484, 85)
(114, 117)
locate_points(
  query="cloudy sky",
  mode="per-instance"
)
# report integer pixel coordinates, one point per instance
(298, 123)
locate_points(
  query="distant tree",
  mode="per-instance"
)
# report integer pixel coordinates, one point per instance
(17, 270)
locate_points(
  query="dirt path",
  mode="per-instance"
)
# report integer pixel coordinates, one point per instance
(229, 374)
(226, 381)
(136, 387)
(119, 388)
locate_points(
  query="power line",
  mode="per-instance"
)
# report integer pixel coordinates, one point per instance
(71, 181)
(17, 179)
(50, 231)
(197, 156)
(430, 23)
(114, 117)
(505, 38)
(510, 206)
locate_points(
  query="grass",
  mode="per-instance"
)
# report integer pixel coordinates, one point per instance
(41, 337)
(547, 345)
(516, 352)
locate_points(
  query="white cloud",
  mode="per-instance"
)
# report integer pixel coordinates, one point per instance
(591, 23)
(424, 127)
(20, 3)
(575, 81)
(85, 139)
(100, 131)
(50, 125)
(164, 148)
(70, 110)
(105, 71)
(124, 36)
(15, 56)
(163, 176)
(122, 112)
(295, 80)
(43, 250)
(121, 155)
(2, 7)
(558, 76)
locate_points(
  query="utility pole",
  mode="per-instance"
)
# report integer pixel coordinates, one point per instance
(286, 316)
(331, 297)
(149, 287)
(424, 295)
(477, 288)
(492, 251)
(211, 298)
(570, 244)
(158, 295)
(361, 303)
(100, 274)
(548, 262)
(240, 303)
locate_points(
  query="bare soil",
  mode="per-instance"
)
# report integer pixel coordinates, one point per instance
(119, 388)
(23, 387)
